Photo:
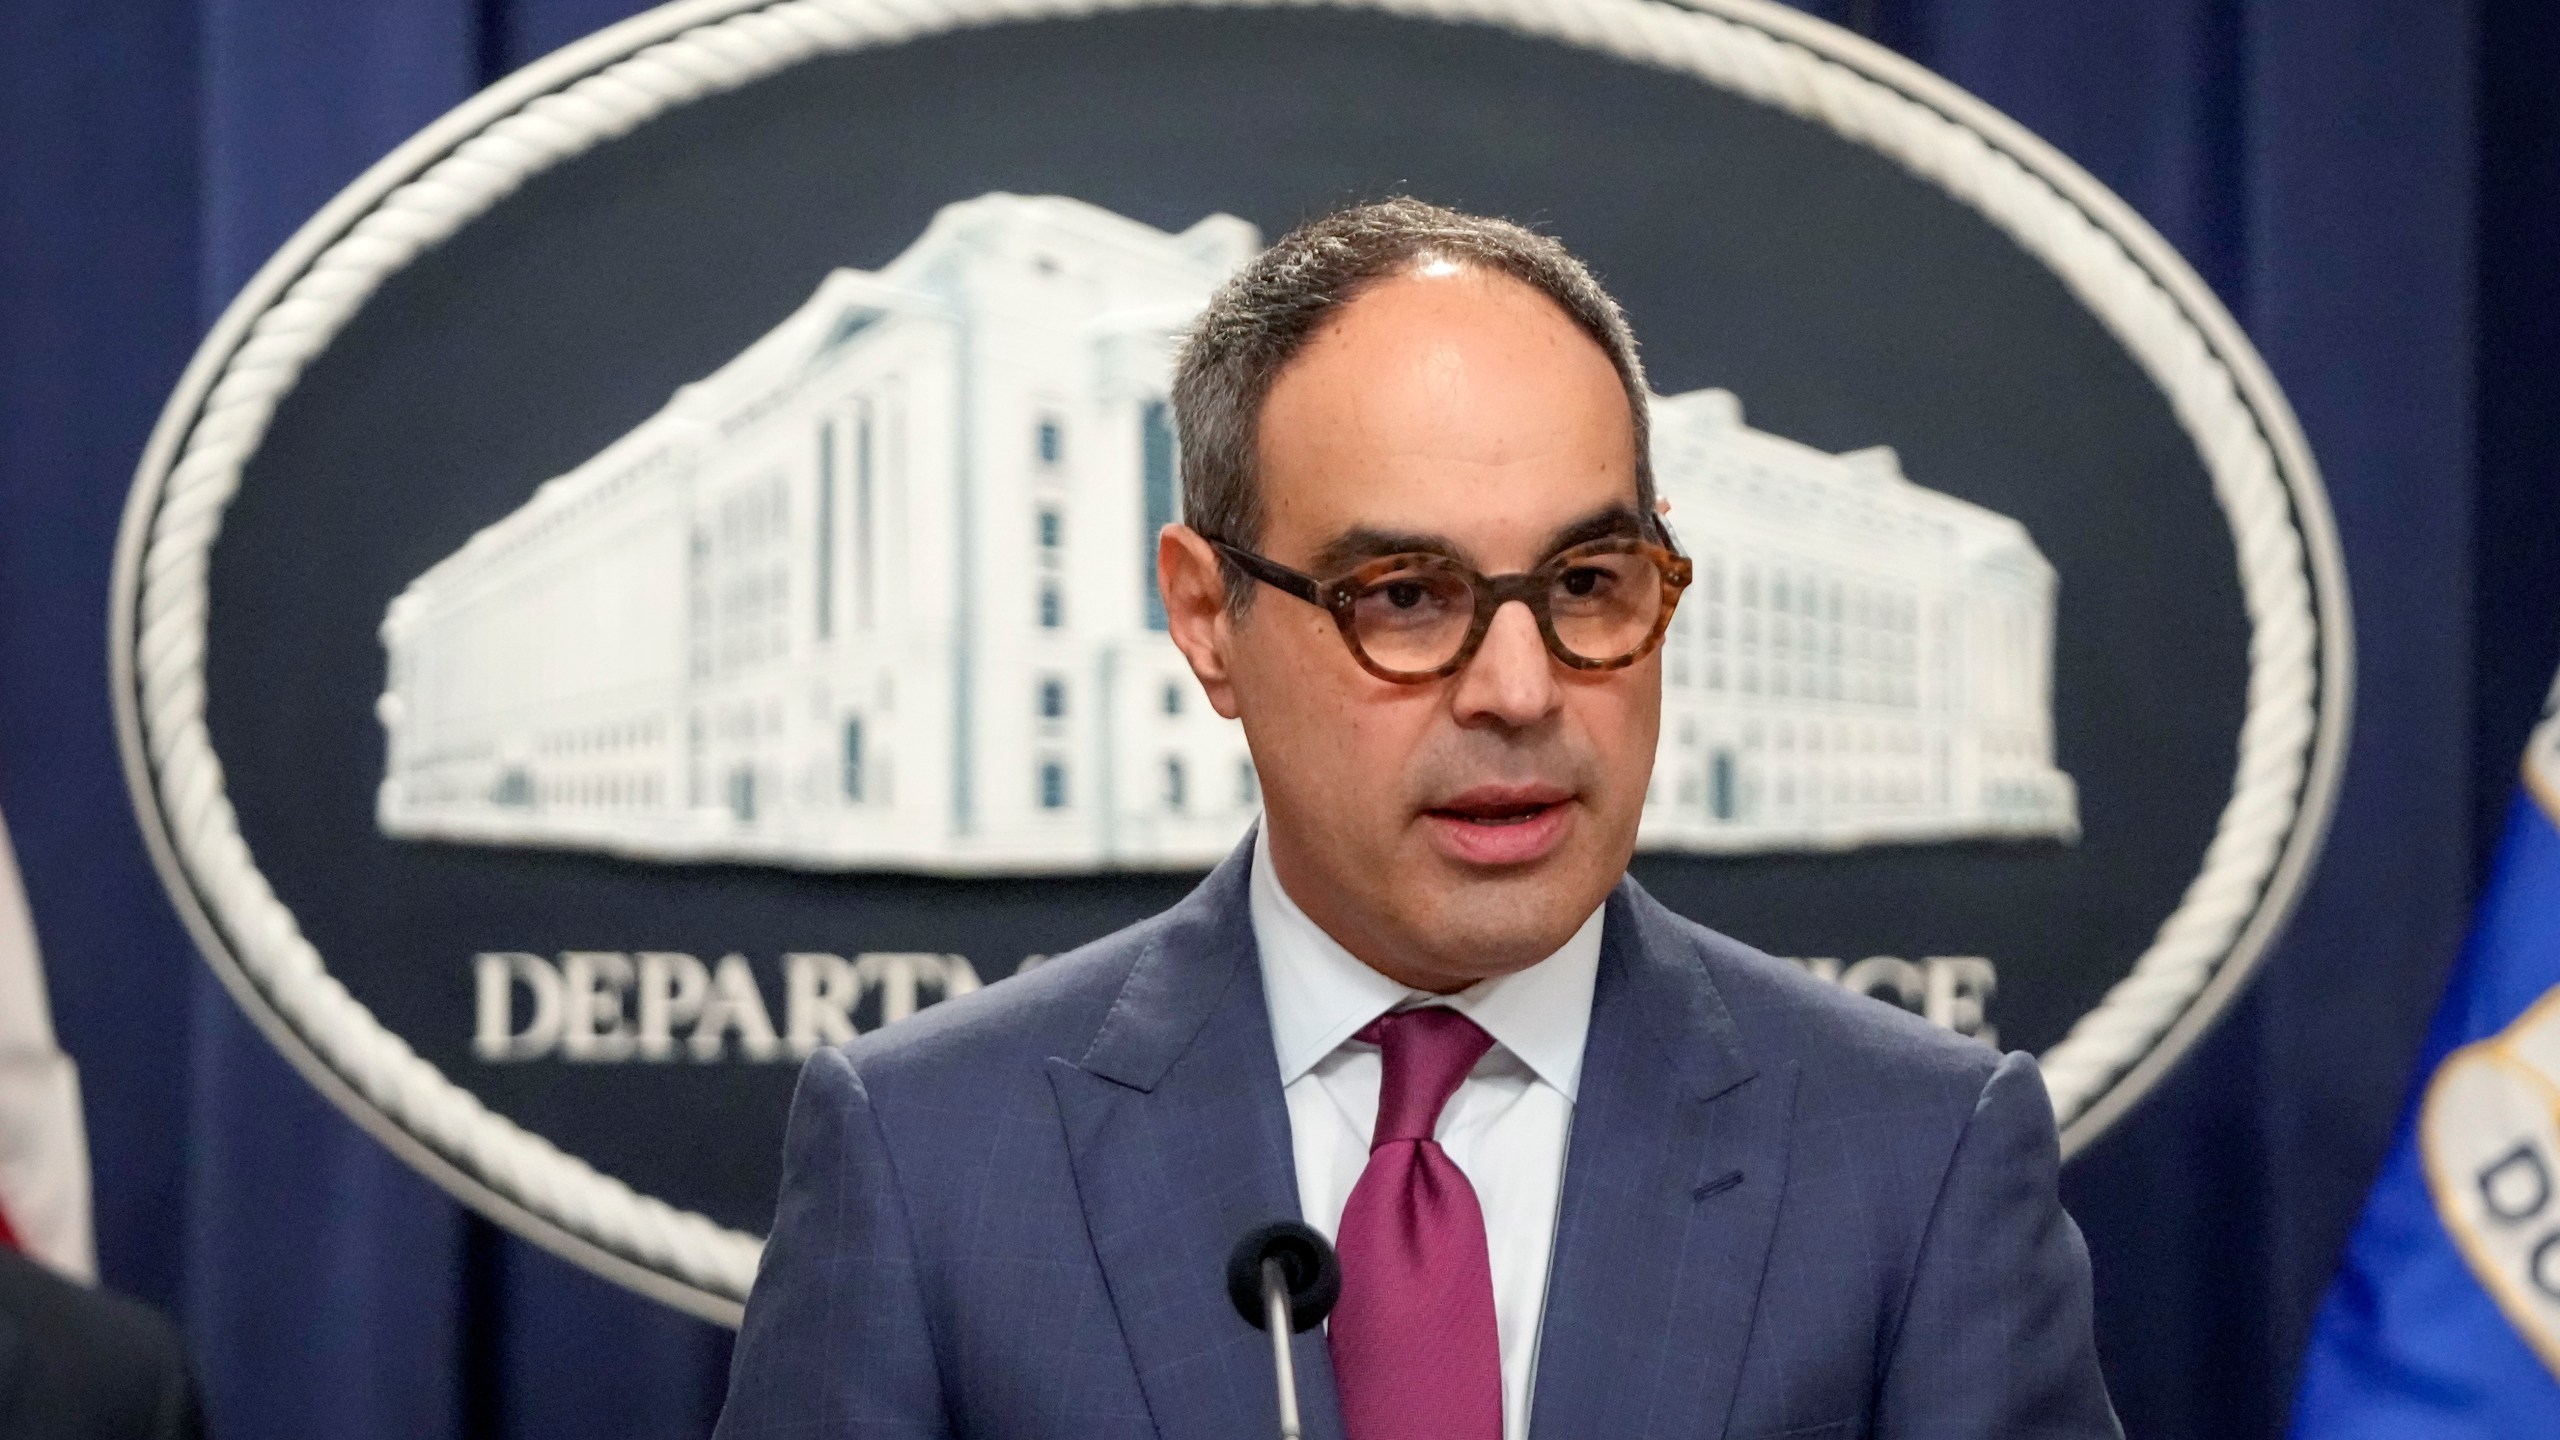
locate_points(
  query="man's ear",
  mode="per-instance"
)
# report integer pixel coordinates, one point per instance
(1195, 611)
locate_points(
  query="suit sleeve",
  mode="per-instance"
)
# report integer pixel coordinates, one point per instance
(1996, 1337)
(835, 1345)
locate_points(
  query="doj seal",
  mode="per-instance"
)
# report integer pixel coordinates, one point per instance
(655, 578)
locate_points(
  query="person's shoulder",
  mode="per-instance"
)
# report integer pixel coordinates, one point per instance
(1852, 1048)
(97, 1355)
(117, 1331)
(1052, 1009)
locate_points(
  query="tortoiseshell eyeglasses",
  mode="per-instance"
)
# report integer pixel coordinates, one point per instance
(1600, 605)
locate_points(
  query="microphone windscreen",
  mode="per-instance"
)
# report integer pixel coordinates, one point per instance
(1307, 1264)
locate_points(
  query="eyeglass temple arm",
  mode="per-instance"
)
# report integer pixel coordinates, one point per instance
(1272, 573)
(1661, 528)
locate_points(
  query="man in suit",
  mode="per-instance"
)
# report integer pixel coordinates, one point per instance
(1595, 1172)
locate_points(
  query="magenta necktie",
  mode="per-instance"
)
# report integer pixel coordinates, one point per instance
(1415, 1352)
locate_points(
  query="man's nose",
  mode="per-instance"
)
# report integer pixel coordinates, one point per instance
(1511, 681)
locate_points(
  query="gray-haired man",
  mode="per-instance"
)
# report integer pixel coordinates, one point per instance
(1594, 1171)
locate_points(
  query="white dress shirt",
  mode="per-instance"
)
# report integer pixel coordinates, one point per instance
(1505, 1128)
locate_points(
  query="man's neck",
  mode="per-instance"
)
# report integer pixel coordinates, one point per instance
(1404, 964)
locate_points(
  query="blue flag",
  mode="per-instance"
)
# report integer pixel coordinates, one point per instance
(2444, 1320)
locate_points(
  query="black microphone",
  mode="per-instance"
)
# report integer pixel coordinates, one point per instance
(1284, 1278)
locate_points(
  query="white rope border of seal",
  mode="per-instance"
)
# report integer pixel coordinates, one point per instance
(169, 619)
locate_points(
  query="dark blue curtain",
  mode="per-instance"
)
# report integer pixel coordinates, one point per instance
(2369, 184)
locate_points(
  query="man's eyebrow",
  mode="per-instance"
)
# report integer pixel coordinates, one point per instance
(1615, 521)
(1361, 543)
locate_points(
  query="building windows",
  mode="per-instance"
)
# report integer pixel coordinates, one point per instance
(852, 759)
(1053, 699)
(1049, 441)
(514, 789)
(1173, 783)
(1050, 523)
(1248, 785)
(1053, 785)
(1173, 697)
(1156, 467)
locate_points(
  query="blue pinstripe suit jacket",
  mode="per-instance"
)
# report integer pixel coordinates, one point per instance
(1788, 1211)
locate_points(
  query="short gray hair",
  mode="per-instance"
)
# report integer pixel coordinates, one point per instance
(1267, 312)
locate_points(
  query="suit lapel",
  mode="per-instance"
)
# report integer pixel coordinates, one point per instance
(1672, 1181)
(1179, 1140)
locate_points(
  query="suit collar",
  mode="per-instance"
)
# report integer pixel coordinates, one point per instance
(1188, 967)
(1660, 991)
(1179, 1140)
(1671, 1191)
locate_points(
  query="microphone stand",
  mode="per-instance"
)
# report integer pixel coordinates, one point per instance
(1275, 1299)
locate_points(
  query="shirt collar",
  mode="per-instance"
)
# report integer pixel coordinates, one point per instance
(1320, 994)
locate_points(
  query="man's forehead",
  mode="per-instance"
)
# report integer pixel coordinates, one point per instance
(1467, 413)
(1409, 347)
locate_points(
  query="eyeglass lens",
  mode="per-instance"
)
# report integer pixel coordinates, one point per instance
(1415, 617)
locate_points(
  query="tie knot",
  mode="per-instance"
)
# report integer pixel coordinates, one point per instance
(1423, 1053)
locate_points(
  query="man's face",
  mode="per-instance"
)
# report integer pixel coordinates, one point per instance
(1463, 827)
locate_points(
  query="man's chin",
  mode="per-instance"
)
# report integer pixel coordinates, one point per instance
(1486, 922)
(1475, 950)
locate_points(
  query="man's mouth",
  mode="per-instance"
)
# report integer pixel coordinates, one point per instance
(1501, 824)
(1493, 814)
(1502, 804)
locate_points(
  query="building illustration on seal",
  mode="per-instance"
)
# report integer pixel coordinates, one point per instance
(879, 594)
